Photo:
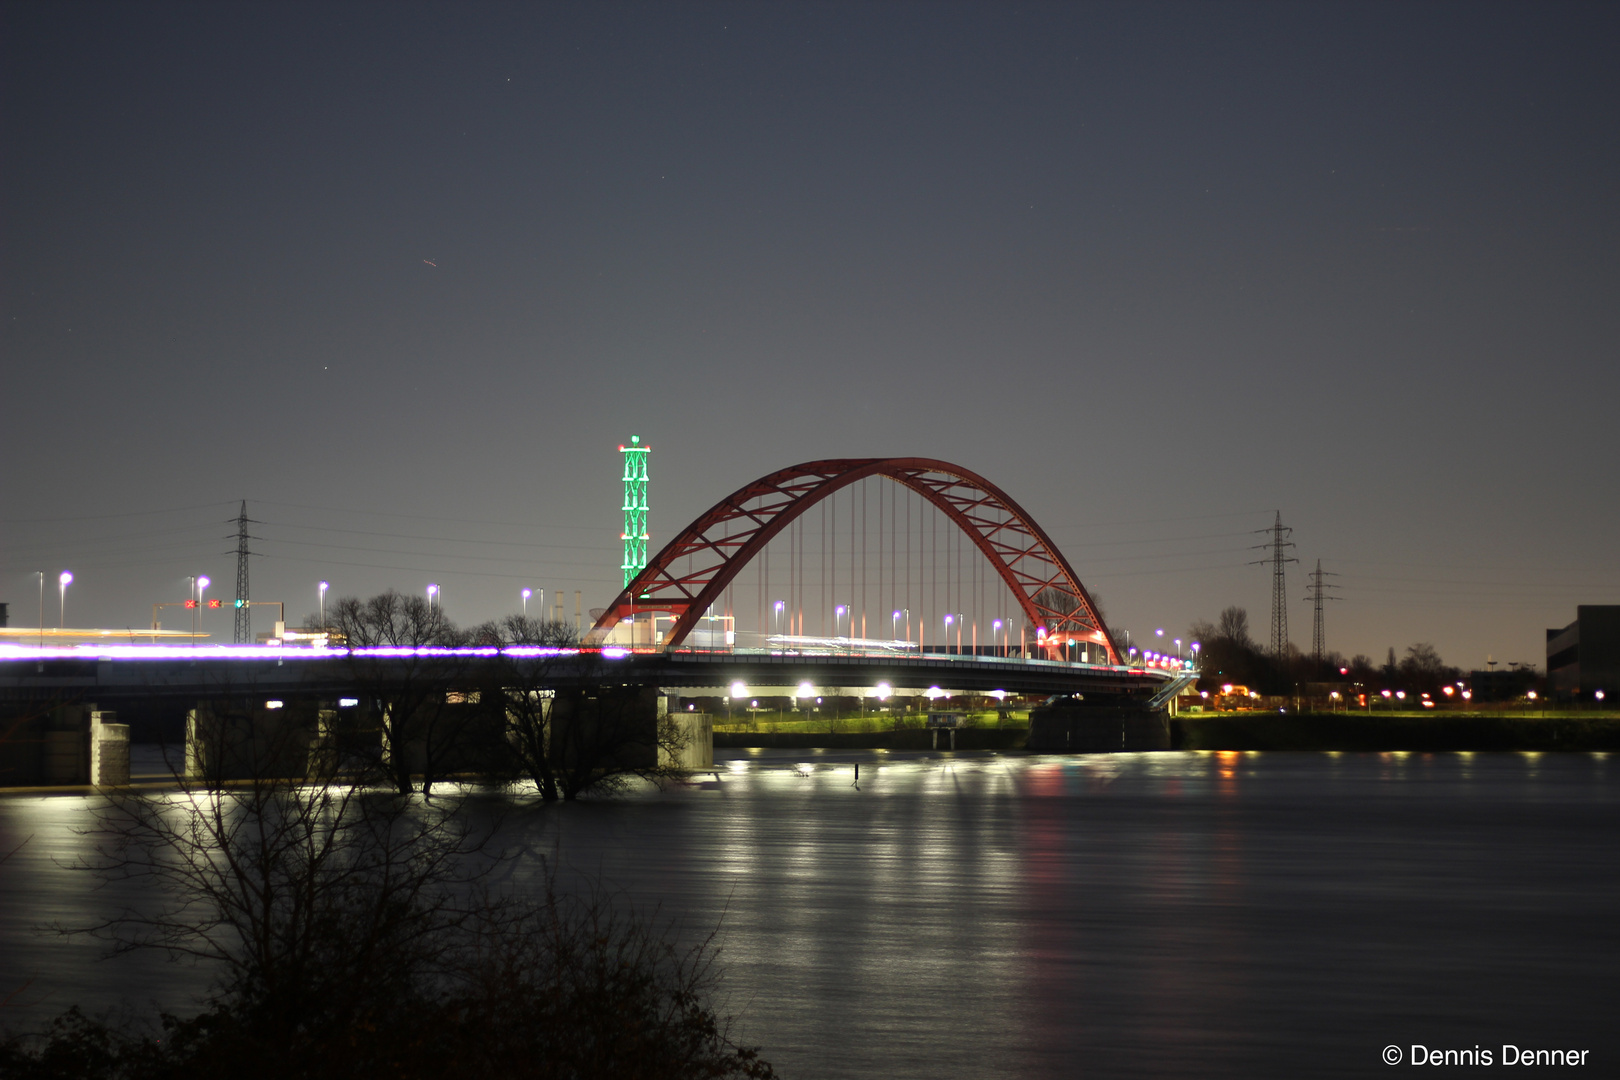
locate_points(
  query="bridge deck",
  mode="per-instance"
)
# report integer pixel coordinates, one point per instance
(184, 671)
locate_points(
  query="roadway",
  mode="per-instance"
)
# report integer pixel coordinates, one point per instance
(183, 671)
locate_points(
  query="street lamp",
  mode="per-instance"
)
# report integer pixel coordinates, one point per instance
(432, 594)
(838, 613)
(203, 581)
(778, 608)
(63, 581)
(41, 574)
(995, 628)
(1178, 648)
(526, 594)
(1194, 648)
(320, 591)
(949, 619)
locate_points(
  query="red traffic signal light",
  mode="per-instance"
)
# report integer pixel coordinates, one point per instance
(213, 603)
(191, 603)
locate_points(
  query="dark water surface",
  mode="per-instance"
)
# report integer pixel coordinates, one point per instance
(1003, 915)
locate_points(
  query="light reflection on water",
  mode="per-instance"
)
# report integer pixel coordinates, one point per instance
(984, 915)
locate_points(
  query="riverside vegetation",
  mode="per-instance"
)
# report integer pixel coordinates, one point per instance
(356, 927)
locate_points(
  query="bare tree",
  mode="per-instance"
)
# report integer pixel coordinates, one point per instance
(1227, 653)
(407, 690)
(357, 932)
(316, 904)
(580, 734)
(527, 690)
(1422, 669)
(583, 985)
(1234, 627)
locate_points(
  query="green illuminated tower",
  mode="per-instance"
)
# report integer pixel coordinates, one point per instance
(635, 507)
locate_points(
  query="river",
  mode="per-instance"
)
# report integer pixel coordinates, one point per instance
(978, 915)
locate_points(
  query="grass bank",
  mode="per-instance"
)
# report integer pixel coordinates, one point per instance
(905, 739)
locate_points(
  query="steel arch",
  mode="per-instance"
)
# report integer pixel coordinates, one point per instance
(1038, 575)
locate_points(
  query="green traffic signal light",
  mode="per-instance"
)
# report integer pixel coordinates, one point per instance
(241, 603)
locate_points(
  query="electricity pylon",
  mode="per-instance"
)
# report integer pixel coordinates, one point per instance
(1316, 592)
(1277, 545)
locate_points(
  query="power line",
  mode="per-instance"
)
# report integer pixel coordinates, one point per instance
(104, 517)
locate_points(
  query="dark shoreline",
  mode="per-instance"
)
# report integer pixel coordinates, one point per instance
(1359, 731)
(1259, 731)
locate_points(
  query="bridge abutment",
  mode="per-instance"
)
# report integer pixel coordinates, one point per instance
(1080, 729)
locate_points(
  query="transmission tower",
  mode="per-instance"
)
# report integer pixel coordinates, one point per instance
(635, 507)
(244, 620)
(1316, 592)
(1278, 546)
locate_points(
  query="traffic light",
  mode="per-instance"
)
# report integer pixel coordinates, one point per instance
(213, 603)
(241, 603)
(191, 603)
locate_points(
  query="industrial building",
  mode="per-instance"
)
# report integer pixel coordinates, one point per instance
(1583, 658)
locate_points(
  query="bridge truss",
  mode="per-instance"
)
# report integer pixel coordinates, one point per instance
(688, 576)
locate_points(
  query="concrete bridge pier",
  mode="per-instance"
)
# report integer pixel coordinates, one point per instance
(1076, 728)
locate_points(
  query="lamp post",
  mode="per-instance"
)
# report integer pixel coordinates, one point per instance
(63, 581)
(1195, 646)
(203, 581)
(995, 628)
(432, 594)
(1178, 648)
(526, 593)
(777, 609)
(321, 592)
(949, 619)
(838, 613)
(41, 574)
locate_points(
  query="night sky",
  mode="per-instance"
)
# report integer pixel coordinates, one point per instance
(405, 276)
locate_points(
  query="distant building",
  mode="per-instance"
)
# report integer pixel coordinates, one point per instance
(1583, 658)
(1506, 684)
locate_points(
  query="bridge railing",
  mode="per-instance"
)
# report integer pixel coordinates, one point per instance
(820, 649)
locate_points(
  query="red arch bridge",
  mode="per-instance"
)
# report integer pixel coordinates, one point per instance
(945, 539)
(970, 594)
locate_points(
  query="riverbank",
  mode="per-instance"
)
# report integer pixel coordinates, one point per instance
(904, 739)
(1382, 731)
(1258, 731)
